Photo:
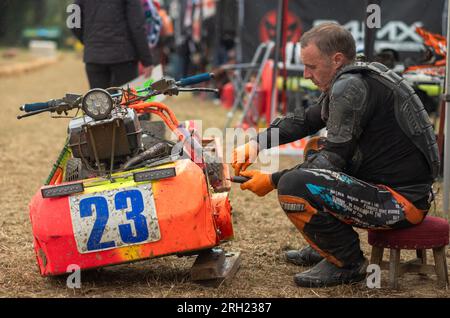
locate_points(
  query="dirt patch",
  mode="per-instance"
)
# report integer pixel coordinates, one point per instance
(262, 232)
(23, 62)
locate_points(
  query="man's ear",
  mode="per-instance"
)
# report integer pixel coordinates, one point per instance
(338, 60)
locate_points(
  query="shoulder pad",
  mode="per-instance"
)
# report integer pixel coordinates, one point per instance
(348, 81)
(276, 121)
(348, 103)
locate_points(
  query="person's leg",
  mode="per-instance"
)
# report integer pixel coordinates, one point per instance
(307, 256)
(332, 238)
(123, 73)
(324, 205)
(98, 75)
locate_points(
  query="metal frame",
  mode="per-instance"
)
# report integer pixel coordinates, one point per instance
(446, 161)
(258, 62)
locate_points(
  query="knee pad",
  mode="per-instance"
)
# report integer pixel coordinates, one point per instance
(293, 183)
(314, 145)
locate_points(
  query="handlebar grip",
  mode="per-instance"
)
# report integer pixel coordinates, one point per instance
(34, 106)
(191, 80)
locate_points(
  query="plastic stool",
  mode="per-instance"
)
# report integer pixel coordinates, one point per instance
(432, 233)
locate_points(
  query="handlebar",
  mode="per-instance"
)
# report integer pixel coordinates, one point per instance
(195, 79)
(163, 86)
(35, 106)
(54, 105)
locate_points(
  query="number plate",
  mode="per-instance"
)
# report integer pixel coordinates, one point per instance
(114, 218)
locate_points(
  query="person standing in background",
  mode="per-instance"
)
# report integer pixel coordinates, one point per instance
(115, 40)
(165, 45)
(153, 22)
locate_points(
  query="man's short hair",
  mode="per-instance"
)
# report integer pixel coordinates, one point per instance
(331, 38)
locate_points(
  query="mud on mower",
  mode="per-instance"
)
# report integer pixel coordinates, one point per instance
(120, 193)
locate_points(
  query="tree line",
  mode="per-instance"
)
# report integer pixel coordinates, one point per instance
(16, 15)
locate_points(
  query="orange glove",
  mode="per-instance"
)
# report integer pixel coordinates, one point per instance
(260, 183)
(243, 156)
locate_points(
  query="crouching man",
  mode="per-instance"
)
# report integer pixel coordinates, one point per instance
(374, 170)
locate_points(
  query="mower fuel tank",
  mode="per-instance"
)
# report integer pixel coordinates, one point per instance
(87, 136)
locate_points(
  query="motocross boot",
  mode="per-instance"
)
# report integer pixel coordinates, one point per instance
(304, 257)
(326, 274)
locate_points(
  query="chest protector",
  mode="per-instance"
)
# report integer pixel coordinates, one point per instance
(409, 111)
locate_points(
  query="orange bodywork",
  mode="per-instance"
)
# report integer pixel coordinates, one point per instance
(437, 44)
(180, 214)
(189, 219)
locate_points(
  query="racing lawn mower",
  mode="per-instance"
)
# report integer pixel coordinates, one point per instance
(112, 198)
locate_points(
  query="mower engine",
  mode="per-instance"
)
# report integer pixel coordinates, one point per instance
(92, 141)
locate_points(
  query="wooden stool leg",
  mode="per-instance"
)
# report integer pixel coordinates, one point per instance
(440, 265)
(394, 267)
(376, 256)
(422, 255)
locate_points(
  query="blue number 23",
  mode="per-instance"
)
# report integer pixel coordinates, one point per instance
(102, 216)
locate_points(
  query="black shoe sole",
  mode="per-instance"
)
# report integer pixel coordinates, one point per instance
(321, 284)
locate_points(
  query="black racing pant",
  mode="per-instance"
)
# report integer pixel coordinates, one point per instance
(325, 205)
(109, 75)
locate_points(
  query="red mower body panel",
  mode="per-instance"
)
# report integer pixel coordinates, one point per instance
(123, 221)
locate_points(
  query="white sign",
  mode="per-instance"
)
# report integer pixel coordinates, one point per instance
(114, 218)
(395, 35)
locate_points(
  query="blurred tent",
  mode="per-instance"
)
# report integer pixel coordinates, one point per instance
(398, 21)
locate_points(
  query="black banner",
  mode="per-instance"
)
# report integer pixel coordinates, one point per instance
(398, 21)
